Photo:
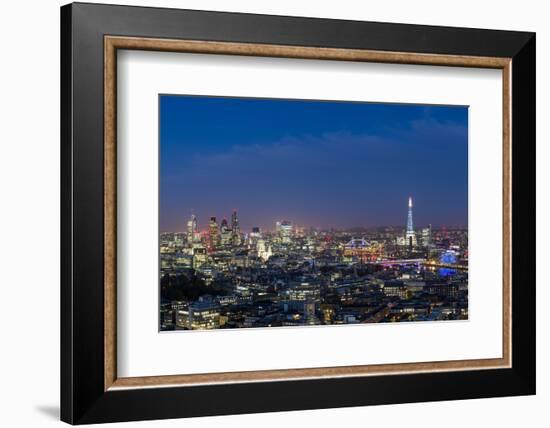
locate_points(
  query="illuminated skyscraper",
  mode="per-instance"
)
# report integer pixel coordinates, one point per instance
(427, 236)
(410, 236)
(214, 233)
(236, 232)
(226, 233)
(285, 231)
(192, 230)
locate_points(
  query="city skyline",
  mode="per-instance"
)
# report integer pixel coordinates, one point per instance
(317, 164)
(202, 226)
(223, 278)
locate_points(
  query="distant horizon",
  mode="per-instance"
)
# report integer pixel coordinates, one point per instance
(305, 227)
(321, 164)
(203, 226)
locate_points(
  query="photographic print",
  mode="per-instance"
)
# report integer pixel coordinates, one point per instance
(294, 213)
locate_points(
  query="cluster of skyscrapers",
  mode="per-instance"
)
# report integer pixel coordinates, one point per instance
(217, 236)
(222, 277)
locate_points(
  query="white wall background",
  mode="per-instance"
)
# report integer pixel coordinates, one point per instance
(29, 217)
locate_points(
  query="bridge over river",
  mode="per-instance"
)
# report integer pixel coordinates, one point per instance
(418, 262)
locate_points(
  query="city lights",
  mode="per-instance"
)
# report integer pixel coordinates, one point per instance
(222, 277)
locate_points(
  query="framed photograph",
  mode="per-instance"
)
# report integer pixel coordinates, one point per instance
(291, 213)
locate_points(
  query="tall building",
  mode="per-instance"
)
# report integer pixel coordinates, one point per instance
(214, 233)
(285, 231)
(192, 232)
(427, 236)
(235, 229)
(410, 236)
(226, 233)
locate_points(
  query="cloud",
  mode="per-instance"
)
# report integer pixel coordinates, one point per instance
(336, 176)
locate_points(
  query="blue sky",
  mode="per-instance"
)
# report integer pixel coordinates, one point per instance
(315, 163)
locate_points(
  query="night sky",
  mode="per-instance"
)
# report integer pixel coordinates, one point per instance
(315, 163)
